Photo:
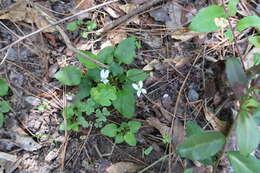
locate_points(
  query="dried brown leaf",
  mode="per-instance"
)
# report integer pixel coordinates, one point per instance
(216, 123)
(185, 35)
(123, 167)
(163, 128)
(179, 62)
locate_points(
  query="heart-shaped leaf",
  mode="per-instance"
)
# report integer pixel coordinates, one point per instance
(204, 21)
(130, 139)
(109, 130)
(125, 51)
(125, 103)
(69, 75)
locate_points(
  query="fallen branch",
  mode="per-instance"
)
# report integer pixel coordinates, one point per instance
(55, 23)
(123, 19)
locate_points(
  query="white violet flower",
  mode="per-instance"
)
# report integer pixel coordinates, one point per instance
(104, 75)
(139, 88)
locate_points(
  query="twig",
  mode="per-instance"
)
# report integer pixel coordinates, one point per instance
(129, 15)
(234, 36)
(157, 161)
(66, 39)
(177, 105)
(222, 152)
(55, 23)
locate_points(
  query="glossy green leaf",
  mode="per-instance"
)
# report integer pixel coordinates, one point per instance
(3, 87)
(192, 128)
(202, 146)
(235, 73)
(130, 139)
(249, 21)
(247, 133)
(232, 7)
(106, 55)
(125, 103)
(104, 94)
(84, 61)
(134, 126)
(243, 164)
(136, 75)
(204, 21)
(69, 75)
(187, 171)
(125, 51)
(148, 150)
(255, 41)
(109, 130)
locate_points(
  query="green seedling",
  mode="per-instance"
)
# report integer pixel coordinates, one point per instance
(124, 132)
(84, 27)
(44, 106)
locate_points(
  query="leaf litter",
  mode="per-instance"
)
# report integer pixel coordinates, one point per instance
(158, 49)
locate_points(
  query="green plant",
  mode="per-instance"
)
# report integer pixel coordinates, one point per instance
(84, 27)
(45, 105)
(204, 146)
(4, 107)
(124, 132)
(103, 88)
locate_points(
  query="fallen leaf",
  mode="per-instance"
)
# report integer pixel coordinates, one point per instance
(8, 157)
(84, 4)
(27, 143)
(163, 128)
(216, 123)
(179, 62)
(123, 167)
(185, 35)
(150, 66)
(20, 12)
(111, 12)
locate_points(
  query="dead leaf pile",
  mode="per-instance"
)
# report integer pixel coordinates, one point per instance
(19, 11)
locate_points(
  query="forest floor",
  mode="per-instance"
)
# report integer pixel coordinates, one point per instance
(186, 82)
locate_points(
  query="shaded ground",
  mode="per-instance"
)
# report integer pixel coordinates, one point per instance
(29, 67)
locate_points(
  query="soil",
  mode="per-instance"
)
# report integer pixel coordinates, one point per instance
(29, 67)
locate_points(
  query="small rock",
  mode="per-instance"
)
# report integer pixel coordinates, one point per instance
(160, 15)
(193, 95)
(153, 41)
(16, 78)
(33, 100)
(12, 54)
(167, 101)
(53, 69)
